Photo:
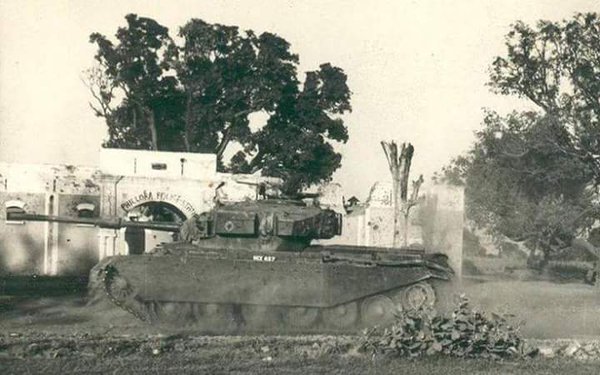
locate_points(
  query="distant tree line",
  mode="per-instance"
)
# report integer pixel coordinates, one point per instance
(532, 177)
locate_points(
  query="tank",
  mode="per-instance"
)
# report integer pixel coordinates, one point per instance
(253, 267)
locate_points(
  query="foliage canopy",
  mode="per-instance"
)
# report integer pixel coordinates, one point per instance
(532, 176)
(197, 92)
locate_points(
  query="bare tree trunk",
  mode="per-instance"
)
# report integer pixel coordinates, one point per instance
(152, 128)
(188, 123)
(397, 208)
(224, 142)
(399, 164)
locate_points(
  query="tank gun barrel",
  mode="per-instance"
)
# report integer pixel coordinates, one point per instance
(110, 223)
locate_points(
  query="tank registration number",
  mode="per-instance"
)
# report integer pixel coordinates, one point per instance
(263, 258)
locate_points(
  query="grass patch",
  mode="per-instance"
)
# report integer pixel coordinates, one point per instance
(198, 363)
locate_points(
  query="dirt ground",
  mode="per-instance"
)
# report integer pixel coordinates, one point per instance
(547, 310)
(61, 334)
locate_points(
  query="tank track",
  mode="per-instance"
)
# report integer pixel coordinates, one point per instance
(351, 317)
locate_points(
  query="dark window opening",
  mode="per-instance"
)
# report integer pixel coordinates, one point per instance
(16, 207)
(86, 210)
(15, 210)
(159, 166)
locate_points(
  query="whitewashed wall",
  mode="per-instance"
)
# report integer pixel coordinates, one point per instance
(436, 224)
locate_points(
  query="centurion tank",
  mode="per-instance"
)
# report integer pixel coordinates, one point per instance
(250, 266)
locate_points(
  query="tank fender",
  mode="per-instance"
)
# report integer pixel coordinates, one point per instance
(374, 260)
(441, 275)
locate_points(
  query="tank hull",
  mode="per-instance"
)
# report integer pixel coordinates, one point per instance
(242, 277)
(319, 279)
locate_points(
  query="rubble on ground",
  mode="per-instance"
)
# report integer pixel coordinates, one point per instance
(267, 348)
(584, 349)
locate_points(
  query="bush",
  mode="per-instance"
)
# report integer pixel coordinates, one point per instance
(570, 271)
(466, 333)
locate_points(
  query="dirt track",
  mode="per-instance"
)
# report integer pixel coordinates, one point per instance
(548, 310)
(62, 334)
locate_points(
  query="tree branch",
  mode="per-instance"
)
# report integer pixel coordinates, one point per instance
(227, 132)
(255, 162)
(188, 122)
(224, 142)
(105, 110)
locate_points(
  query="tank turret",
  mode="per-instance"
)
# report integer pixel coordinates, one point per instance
(271, 224)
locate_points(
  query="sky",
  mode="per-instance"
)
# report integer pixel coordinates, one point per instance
(417, 69)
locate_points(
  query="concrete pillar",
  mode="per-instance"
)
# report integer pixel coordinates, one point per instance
(51, 237)
(360, 230)
(107, 243)
(47, 245)
(443, 223)
(367, 226)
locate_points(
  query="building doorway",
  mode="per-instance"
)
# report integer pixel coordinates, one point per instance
(140, 240)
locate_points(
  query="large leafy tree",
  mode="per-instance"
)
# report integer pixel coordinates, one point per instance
(131, 72)
(520, 185)
(198, 91)
(531, 177)
(556, 67)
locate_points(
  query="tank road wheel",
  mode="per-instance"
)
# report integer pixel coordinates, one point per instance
(301, 317)
(259, 315)
(342, 316)
(197, 311)
(208, 311)
(173, 312)
(417, 296)
(213, 316)
(185, 312)
(377, 310)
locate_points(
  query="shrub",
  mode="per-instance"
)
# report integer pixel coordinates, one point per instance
(569, 271)
(466, 333)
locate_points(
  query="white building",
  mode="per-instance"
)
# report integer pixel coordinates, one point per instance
(125, 182)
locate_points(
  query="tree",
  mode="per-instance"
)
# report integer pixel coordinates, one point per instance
(532, 177)
(294, 143)
(556, 67)
(133, 67)
(197, 92)
(399, 162)
(521, 187)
